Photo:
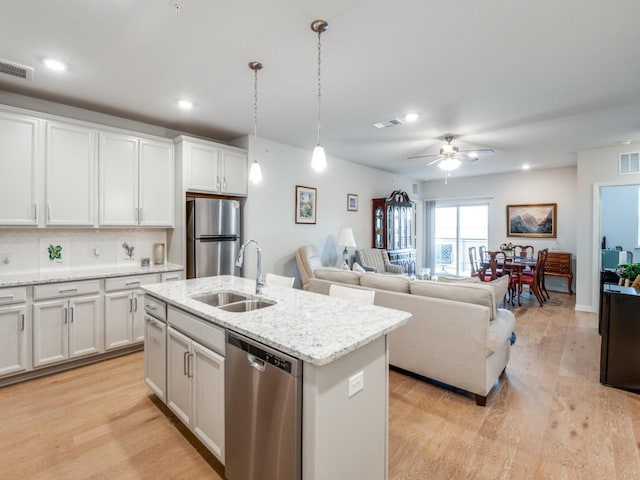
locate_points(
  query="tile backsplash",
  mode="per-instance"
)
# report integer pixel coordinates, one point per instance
(25, 250)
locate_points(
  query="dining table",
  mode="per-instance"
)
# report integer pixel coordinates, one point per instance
(515, 265)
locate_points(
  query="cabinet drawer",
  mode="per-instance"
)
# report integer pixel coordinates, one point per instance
(155, 308)
(13, 295)
(198, 329)
(171, 276)
(53, 290)
(130, 282)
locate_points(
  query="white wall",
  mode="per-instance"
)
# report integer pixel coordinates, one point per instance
(597, 167)
(526, 187)
(269, 209)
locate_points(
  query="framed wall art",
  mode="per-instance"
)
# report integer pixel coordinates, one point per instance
(306, 201)
(352, 202)
(534, 221)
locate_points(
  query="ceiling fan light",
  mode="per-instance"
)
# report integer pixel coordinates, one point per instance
(449, 164)
(318, 158)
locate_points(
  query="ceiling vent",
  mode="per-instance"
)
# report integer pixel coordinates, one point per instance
(388, 123)
(629, 163)
(16, 70)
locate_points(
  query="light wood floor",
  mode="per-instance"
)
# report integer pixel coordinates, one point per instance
(549, 417)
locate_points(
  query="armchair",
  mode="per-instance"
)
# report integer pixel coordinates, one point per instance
(377, 260)
(308, 260)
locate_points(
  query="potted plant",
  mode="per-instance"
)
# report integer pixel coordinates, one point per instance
(627, 273)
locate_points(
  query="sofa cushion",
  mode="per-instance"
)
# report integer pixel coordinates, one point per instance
(340, 275)
(500, 286)
(452, 279)
(477, 293)
(394, 283)
(500, 330)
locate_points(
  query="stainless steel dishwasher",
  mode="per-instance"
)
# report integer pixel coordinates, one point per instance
(263, 412)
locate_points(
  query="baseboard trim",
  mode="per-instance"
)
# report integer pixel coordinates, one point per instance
(585, 308)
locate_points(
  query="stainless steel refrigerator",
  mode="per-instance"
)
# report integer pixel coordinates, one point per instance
(213, 236)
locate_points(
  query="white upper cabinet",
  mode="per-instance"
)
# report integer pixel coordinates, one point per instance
(18, 164)
(118, 179)
(213, 168)
(70, 174)
(156, 194)
(204, 163)
(235, 174)
(136, 181)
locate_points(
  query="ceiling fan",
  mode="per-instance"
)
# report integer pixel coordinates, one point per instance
(451, 157)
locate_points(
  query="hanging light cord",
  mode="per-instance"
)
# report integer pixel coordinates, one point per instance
(255, 103)
(319, 84)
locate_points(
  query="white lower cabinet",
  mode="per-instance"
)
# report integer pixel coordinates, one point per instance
(155, 356)
(65, 329)
(123, 318)
(13, 354)
(195, 388)
(124, 310)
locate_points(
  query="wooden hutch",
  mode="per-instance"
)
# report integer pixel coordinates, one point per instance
(394, 229)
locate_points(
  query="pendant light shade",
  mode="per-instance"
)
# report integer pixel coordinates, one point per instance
(255, 172)
(319, 158)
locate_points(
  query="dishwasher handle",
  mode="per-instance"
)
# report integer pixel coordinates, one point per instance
(259, 355)
(255, 362)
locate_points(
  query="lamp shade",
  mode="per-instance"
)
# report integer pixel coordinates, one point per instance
(449, 164)
(255, 172)
(318, 158)
(345, 238)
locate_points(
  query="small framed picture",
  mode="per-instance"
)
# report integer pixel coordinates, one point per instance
(352, 202)
(306, 200)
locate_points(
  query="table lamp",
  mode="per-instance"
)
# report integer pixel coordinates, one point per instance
(345, 238)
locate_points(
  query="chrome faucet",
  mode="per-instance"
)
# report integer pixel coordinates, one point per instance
(240, 261)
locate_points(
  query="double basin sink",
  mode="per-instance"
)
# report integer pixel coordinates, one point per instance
(233, 302)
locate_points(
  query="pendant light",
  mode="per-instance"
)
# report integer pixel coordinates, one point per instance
(255, 172)
(319, 158)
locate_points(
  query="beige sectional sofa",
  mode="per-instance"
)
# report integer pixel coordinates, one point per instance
(457, 335)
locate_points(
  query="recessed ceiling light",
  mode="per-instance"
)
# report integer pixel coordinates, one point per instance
(55, 65)
(185, 104)
(411, 117)
(526, 166)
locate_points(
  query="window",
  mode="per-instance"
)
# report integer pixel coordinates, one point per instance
(456, 228)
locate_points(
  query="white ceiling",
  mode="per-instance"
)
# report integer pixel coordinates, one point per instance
(536, 81)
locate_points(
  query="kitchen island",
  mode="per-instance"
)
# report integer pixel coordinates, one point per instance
(343, 348)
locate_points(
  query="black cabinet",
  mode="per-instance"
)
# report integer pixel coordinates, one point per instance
(394, 229)
(620, 348)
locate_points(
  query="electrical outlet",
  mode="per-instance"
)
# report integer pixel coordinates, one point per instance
(96, 251)
(5, 259)
(356, 383)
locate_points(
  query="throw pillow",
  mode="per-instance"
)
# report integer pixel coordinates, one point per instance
(357, 268)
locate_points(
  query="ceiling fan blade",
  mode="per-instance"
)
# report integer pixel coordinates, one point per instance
(465, 158)
(422, 156)
(480, 152)
(433, 162)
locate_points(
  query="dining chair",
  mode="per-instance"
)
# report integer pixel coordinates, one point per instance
(524, 251)
(482, 253)
(354, 294)
(536, 279)
(272, 279)
(473, 262)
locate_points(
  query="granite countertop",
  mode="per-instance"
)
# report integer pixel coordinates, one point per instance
(35, 278)
(315, 328)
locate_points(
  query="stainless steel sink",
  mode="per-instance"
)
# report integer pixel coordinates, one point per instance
(219, 299)
(246, 306)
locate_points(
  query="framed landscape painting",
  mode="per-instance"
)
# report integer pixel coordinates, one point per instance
(306, 199)
(534, 221)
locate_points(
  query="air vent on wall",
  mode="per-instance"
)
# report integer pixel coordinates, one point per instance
(16, 70)
(629, 163)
